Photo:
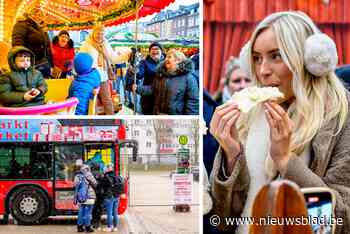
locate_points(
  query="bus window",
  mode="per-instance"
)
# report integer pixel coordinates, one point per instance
(65, 163)
(97, 156)
(5, 162)
(25, 162)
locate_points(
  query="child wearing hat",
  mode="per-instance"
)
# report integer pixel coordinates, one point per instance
(24, 85)
(86, 82)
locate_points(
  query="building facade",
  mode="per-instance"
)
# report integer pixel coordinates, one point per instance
(170, 24)
(158, 140)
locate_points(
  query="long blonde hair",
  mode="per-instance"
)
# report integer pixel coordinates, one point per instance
(317, 99)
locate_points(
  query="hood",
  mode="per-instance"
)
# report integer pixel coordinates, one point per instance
(12, 54)
(85, 169)
(70, 44)
(183, 68)
(83, 63)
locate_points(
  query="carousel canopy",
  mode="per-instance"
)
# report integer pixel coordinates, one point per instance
(81, 14)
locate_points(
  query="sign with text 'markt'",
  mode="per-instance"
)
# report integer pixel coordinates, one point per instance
(52, 130)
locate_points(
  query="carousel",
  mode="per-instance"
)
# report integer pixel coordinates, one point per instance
(72, 15)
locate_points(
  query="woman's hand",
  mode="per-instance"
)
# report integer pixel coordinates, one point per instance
(223, 128)
(281, 127)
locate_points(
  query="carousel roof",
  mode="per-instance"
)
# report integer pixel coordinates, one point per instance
(81, 14)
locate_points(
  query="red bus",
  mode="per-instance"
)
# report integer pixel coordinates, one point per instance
(38, 160)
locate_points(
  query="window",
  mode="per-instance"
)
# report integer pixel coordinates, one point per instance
(66, 157)
(148, 133)
(26, 161)
(196, 21)
(5, 159)
(191, 21)
(97, 156)
(136, 133)
(148, 144)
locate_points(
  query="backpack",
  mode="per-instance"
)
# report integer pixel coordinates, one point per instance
(81, 194)
(117, 185)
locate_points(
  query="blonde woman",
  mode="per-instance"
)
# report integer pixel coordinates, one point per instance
(175, 89)
(103, 56)
(303, 137)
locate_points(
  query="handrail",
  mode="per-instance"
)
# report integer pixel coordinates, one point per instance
(41, 109)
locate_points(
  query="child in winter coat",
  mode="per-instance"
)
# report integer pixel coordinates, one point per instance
(23, 85)
(85, 85)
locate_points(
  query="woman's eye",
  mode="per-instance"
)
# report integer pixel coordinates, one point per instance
(257, 59)
(276, 56)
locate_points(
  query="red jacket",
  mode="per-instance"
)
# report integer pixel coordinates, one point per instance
(63, 56)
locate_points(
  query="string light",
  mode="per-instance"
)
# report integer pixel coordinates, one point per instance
(2, 19)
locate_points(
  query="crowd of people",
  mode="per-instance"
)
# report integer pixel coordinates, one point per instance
(165, 83)
(95, 192)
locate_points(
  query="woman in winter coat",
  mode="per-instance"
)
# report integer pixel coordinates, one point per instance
(174, 88)
(103, 57)
(85, 208)
(63, 53)
(22, 86)
(303, 137)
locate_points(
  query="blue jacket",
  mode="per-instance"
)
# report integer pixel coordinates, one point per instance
(146, 73)
(175, 93)
(82, 87)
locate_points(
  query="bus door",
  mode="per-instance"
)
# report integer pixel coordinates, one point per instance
(65, 166)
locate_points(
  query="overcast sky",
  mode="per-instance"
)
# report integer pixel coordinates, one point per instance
(173, 6)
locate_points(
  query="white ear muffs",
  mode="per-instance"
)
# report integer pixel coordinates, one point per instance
(320, 54)
(244, 59)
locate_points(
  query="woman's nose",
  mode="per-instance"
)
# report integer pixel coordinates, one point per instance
(265, 68)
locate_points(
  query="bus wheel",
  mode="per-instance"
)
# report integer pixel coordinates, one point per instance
(29, 205)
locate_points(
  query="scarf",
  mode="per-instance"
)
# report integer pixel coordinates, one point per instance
(260, 164)
(102, 59)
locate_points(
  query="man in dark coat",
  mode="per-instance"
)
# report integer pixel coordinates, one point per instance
(23, 85)
(28, 32)
(146, 72)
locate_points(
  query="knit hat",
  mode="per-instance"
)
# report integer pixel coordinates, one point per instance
(82, 63)
(63, 32)
(153, 44)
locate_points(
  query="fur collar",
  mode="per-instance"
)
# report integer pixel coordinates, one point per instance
(183, 68)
